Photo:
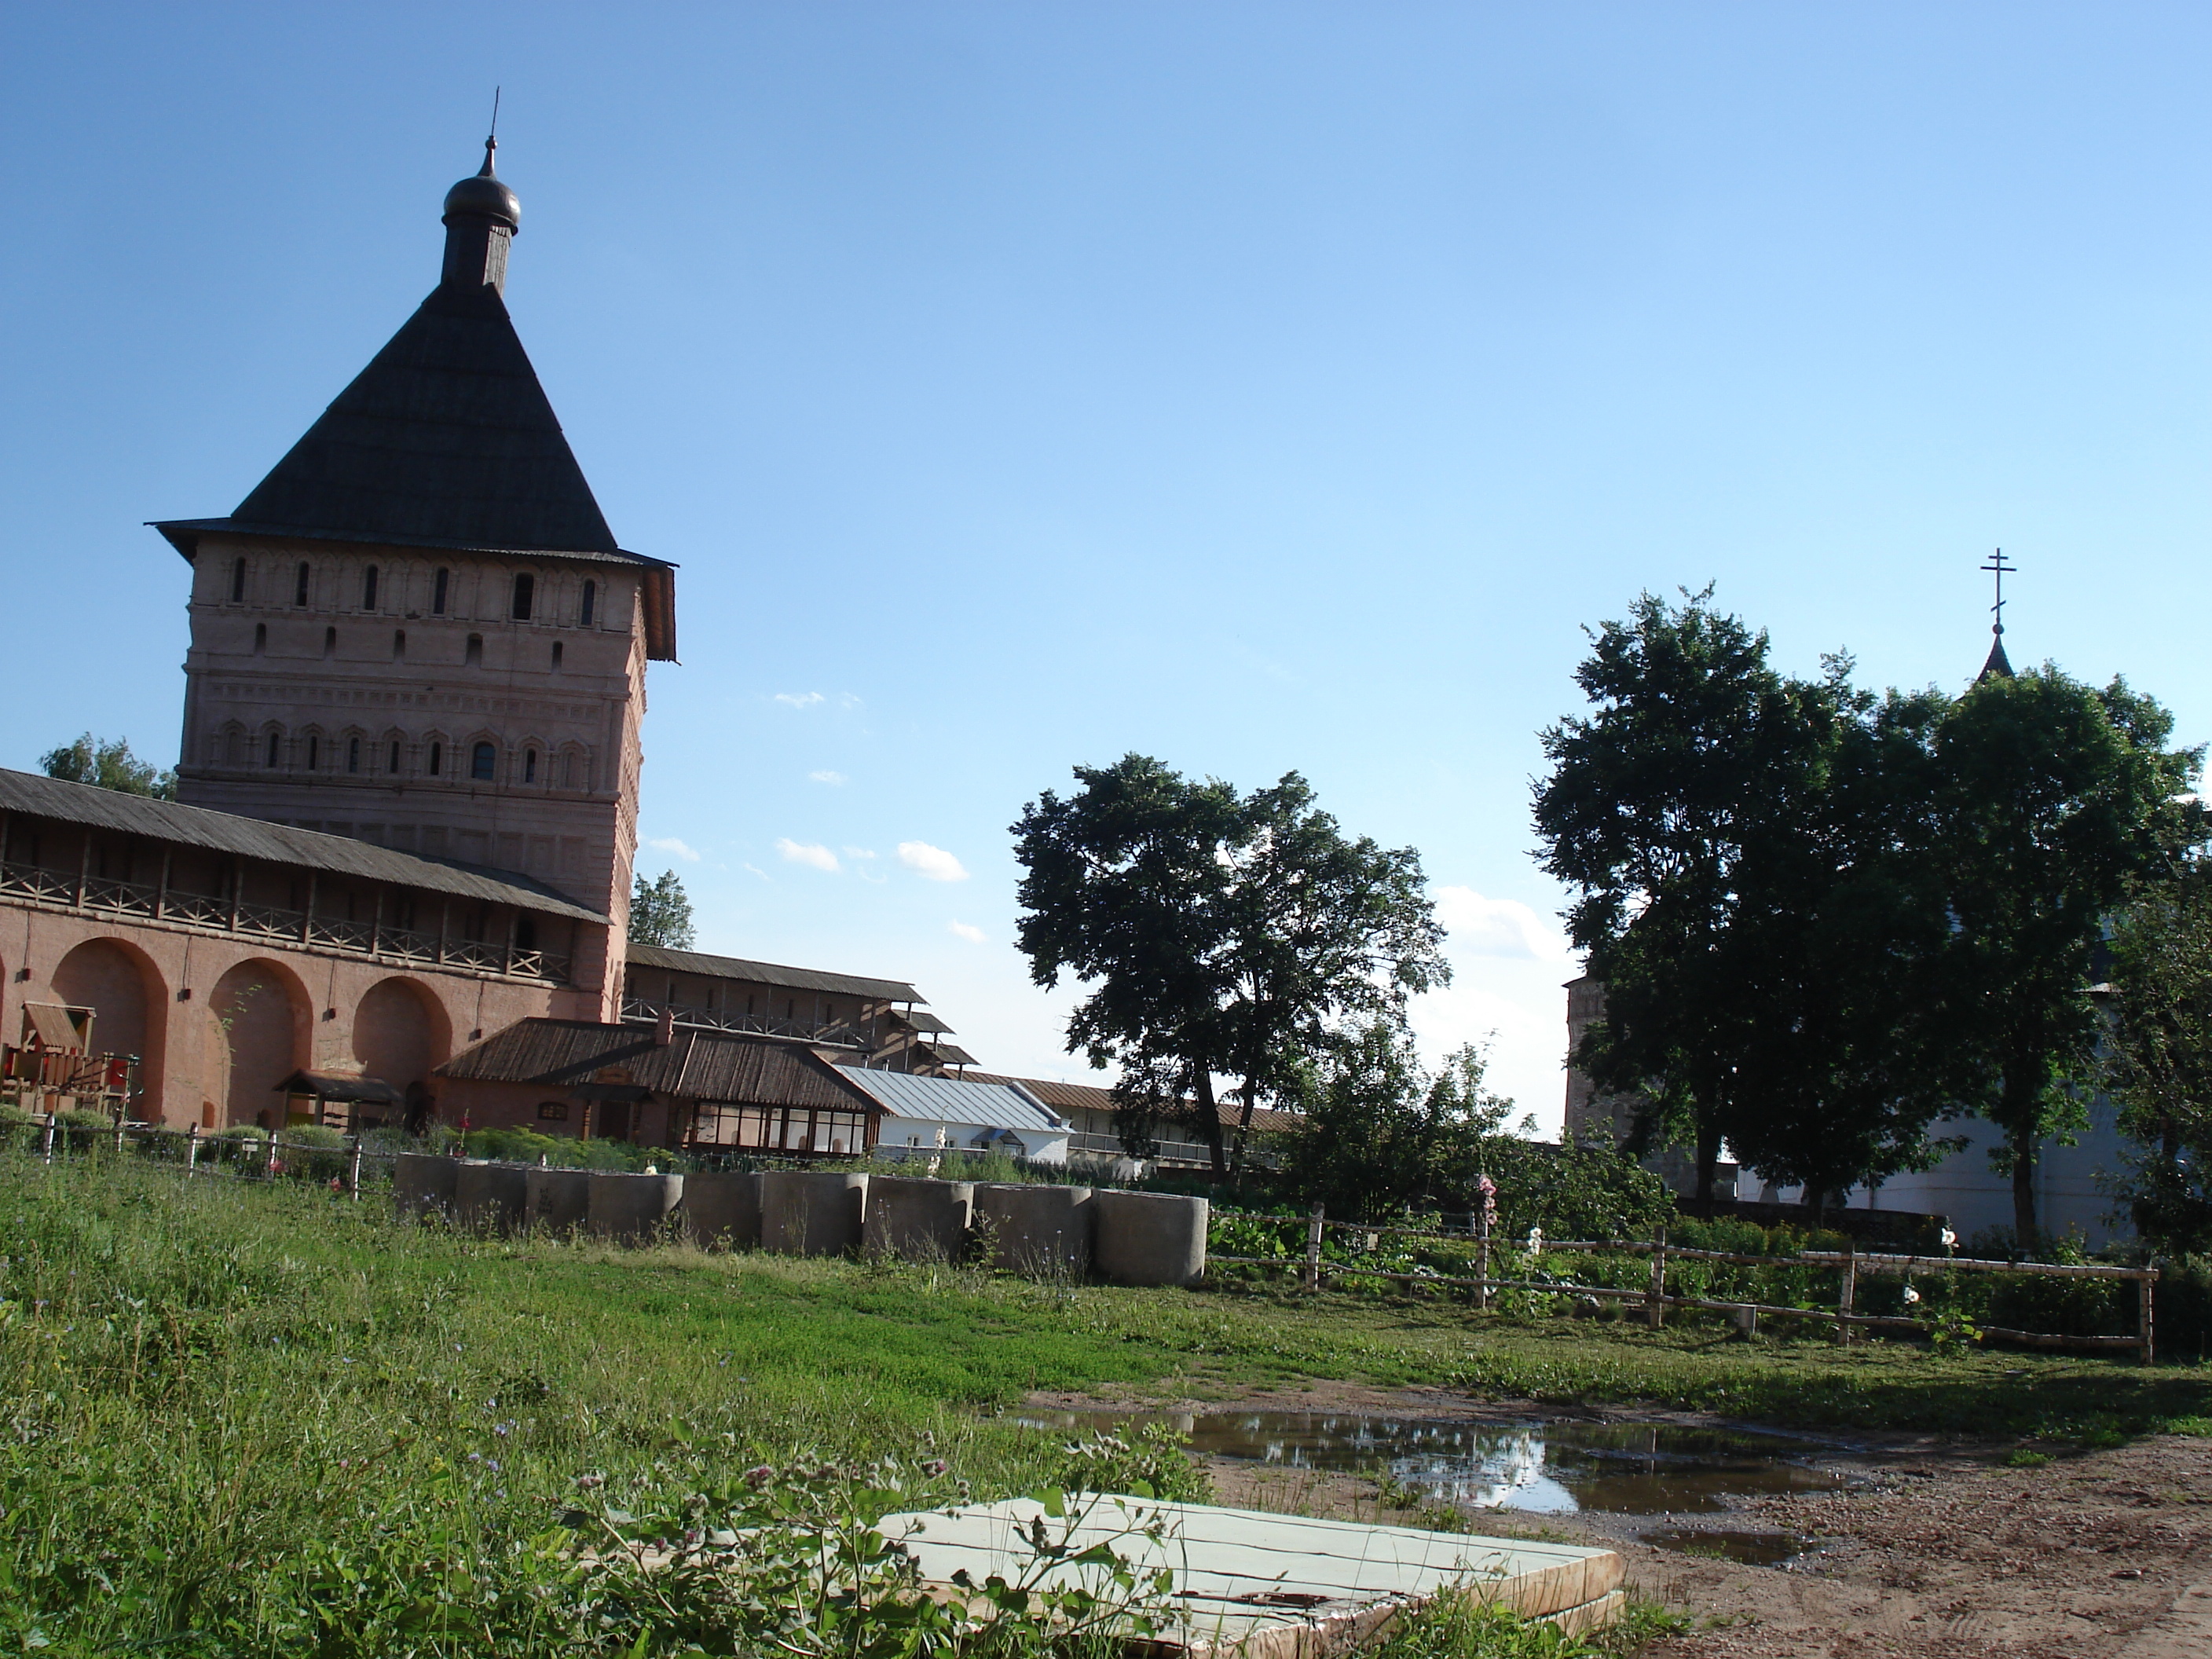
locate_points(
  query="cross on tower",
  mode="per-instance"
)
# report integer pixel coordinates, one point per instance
(1997, 567)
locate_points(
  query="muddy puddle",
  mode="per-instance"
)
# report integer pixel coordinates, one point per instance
(1660, 1470)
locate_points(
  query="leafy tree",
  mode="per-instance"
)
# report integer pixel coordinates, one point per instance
(1686, 773)
(1570, 1192)
(1848, 1059)
(109, 766)
(660, 913)
(1221, 934)
(2054, 798)
(1322, 930)
(1379, 1134)
(2159, 1053)
(1125, 890)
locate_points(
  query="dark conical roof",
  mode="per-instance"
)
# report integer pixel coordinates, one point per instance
(445, 437)
(1999, 667)
(444, 440)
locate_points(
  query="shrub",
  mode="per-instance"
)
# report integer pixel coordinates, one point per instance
(1152, 1465)
(2183, 1308)
(313, 1152)
(243, 1144)
(788, 1561)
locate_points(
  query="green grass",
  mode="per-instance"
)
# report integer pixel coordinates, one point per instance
(218, 1400)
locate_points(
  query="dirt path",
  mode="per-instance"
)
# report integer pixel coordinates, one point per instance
(1954, 1553)
(1935, 1548)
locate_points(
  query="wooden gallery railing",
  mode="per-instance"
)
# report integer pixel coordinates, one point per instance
(1654, 1298)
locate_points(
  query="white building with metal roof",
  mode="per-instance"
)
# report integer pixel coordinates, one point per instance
(926, 1115)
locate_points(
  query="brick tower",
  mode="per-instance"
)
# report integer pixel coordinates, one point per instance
(418, 630)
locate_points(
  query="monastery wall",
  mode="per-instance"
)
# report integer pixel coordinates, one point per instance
(218, 1022)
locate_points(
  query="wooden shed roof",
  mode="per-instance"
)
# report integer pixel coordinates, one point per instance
(713, 1066)
(768, 973)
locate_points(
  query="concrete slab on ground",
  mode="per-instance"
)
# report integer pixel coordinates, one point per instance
(1261, 1585)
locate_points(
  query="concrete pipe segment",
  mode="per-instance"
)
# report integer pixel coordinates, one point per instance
(1043, 1231)
(422, 1185)
(917, 1219)
(808, 1212)
(557, 1201)
(1148, 1238)
(490, 1198)
(722, 1210)
(630, 1208)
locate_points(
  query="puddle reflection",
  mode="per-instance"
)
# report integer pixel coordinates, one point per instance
(1542, 1468)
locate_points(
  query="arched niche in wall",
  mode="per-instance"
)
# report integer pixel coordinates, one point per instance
(257, 1023)
(400, 1032)
(129, 1006)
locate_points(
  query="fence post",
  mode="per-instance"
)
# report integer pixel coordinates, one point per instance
(2145, 1289)
(1847, 1298)
(119, 1133)
(47, 1150)
(1482, 1269)
(1654, 1299)
(353, 1170)
(192, 1150)
(1313, 1248)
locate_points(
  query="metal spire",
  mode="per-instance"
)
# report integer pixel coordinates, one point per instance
(491, 143)
(1998, 664)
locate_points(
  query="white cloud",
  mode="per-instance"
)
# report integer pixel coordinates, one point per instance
(859, 852)
(799, 699)
(931, 863)
(808, 851)
(669, 844)
(973, 935)
(825, 777)
(1497, 927)
(757, 871)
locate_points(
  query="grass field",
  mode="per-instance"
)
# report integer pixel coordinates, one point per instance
(243, 1419)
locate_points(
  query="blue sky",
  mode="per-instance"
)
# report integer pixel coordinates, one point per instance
(1260, 386)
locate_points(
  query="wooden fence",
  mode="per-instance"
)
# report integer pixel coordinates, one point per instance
(257, 1158)
(250, 1157)
(1654, 1298)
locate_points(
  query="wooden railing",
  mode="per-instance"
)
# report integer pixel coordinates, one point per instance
(172, 908)
(1653, 1297)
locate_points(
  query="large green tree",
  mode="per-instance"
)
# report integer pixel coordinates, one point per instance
(660, 913)
(108, 765)
(2054, 798)
(1659, 803)
(1842, 912)
(1220, 934)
